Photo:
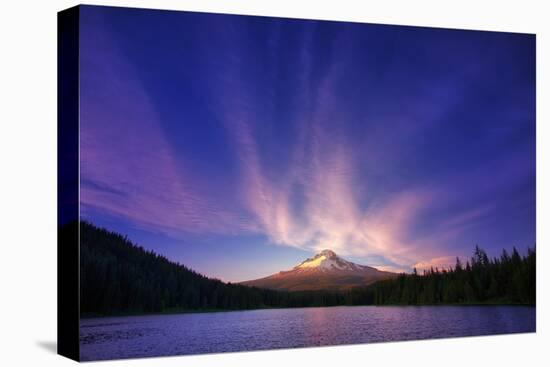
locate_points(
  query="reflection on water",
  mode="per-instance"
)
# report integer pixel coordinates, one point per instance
(146, 336)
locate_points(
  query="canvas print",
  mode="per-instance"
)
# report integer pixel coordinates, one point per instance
(238, 183)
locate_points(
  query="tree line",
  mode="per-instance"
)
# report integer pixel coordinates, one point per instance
(508, 279)
(119, 277)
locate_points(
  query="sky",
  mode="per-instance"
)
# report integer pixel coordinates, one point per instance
(239, 146)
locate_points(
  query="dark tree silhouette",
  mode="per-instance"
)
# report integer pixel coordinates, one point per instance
(504, 280)
(119, 277)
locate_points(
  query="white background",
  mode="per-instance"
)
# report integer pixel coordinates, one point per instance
(28, 182)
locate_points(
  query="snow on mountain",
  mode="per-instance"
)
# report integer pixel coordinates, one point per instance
(327, 260)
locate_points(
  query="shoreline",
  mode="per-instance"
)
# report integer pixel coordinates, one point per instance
(182, 312)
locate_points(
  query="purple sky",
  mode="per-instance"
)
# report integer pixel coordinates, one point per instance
(241, 145)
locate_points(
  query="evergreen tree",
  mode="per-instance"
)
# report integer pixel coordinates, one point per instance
(118, 277)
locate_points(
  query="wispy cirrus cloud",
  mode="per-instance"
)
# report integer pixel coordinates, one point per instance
(313, 203)
(326, 167)
(317, 136)
(128, 167)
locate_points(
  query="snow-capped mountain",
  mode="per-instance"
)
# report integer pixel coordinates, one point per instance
(326, 270)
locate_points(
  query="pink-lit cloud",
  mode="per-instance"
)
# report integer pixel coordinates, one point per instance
(351, 189)
(128, 168)
(323, 166)
(439, 263)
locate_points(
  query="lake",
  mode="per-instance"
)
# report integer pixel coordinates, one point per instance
(194, 333)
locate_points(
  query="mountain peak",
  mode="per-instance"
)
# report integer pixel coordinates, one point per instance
(328, 253)
(326, 260)
(325, 270)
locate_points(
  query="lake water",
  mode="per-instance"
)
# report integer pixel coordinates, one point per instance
(161, 335)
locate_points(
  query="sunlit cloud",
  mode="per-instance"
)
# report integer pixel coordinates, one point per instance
(323, 168)
(439, 263)
(336, 152)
